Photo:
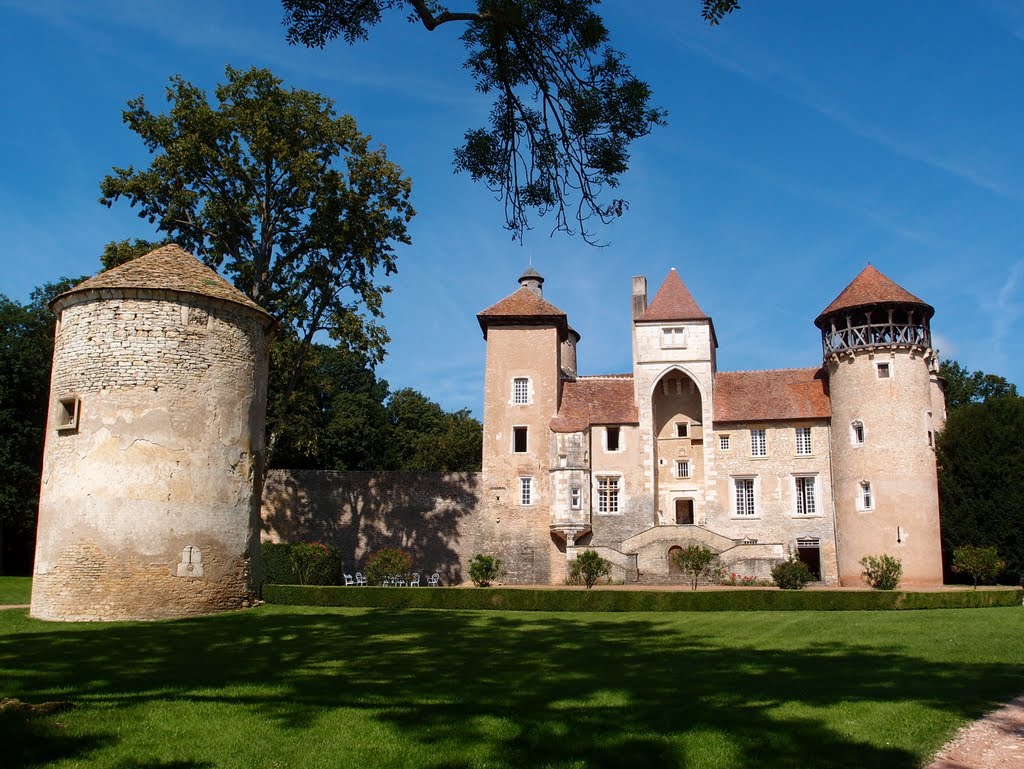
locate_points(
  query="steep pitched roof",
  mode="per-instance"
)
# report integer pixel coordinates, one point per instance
(872, 287)
(586, 401)
(168, 268)
(673, 302)
(762, 396)
(522, 306)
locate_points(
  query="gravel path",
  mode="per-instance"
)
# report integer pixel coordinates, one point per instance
(994, 742)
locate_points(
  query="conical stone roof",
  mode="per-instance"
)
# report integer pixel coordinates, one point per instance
(168, 268)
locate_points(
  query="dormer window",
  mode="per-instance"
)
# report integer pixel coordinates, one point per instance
(673, 336)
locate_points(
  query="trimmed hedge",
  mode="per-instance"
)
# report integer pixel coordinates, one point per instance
(632, 600)
(277, 564)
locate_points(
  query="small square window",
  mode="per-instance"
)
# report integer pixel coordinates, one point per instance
(883, 370)
(68, 412)
(575, 497)
(673, 336)
(612, 439)
(723, 442)
(682, 429)
(682, 468)
(519, 439)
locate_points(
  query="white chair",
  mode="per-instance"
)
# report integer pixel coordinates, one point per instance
(432, 579)
(349, 580)
(399, 581)
(360, 579)
(415, 581)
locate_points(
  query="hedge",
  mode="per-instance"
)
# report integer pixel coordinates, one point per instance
(633, 600)
(277, 564)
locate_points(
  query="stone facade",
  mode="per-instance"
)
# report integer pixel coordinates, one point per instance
(756, 465)
(149, 504)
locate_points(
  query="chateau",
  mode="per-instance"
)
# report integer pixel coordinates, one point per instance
(830, 463)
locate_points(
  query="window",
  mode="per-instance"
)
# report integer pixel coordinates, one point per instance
(803, 441)
(805, 502)
(575, 495)
(744, 496)
(883, 370)
(611, 439)
(520, 390)
(758, 445)
(607, 494)
(68, 410)
(723, 442)
(673, 336)
(682, 468)
(682, 429)
(865, 500)
(857, 433)
(519, 442)
(526, 491)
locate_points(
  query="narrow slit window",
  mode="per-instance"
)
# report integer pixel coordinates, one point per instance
(613, 438)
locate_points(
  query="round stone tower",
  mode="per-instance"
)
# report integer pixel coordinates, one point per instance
(886, 406)
(150, 497)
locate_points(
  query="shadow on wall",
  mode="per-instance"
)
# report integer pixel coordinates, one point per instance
(429, 515)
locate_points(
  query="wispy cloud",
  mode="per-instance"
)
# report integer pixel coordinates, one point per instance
(1006, 309)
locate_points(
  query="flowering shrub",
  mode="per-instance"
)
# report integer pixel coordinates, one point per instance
(388, 562)
(742, 580)
(791, 574)
(882, 572)
(316, 563)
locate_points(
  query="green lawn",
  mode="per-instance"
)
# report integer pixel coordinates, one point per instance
(15, 590)
(304, 687)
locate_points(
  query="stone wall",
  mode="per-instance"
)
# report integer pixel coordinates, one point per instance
(435, 517)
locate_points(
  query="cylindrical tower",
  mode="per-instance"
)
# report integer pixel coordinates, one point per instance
(150, 497)
(880, 363)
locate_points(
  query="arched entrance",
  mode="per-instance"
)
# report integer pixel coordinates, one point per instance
(677, 408)
(672, 567)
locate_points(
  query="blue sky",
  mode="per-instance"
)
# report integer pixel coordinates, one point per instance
(805, 139)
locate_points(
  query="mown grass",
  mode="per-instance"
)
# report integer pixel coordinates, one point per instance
(320, 687)
(15, 590)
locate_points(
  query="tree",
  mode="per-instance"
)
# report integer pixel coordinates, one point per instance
(566, 105)
(980, 455)
(286, 197)
(485, 569)
(981, 563)
(588, 568)
(425, 437)
(117, 252)
(964, 386)
(696, 562)
(26, 349)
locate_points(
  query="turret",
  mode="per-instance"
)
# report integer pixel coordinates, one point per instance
(877, 352)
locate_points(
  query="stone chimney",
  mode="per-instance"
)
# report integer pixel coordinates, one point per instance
(639, 295)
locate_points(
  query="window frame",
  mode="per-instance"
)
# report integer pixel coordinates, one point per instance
(575, 498)
(858, 433)
(620, 444)
(526, 491)
(725, 442)
(525, 432)
(527, 391)
(671, 336)
(865, 497)
(682, 429)
(763, 434)
(805, 431)
(68, 413)
(683, 462)
(609, 493)
(885, 366)
(801, 496)
(750, 496)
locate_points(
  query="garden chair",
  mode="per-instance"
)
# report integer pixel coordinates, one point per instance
(349, 580)
(399, 581)
(415, 581)
(432, 579)
(360, 579)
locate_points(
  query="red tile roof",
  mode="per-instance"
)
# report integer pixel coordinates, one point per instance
(523, 306)
(673, 302)
(762, 396)
(872, 287)
(596, 401)
(168, 268)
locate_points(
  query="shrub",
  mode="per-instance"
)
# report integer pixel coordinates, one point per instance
(882, 572)
(791, 574)
(982, 563)
(386, 563)
(733, 579)
(277, 566)
(696, 561)
(315, 563)
(484, 569)
(588, 568)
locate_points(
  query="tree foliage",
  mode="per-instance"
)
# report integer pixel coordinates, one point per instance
(485, 569)
(117, 252)
(792, 574)
(286, 197)
(696, 562)
(882, 572)
(566, 105)
(964, 387)
(981, 480)
(982, 564)
(588, 568)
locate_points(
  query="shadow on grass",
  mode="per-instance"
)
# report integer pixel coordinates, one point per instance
(601, 693)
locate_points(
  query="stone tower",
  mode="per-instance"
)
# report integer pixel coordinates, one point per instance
(886, 407)
(150, 497)
(526, 340)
